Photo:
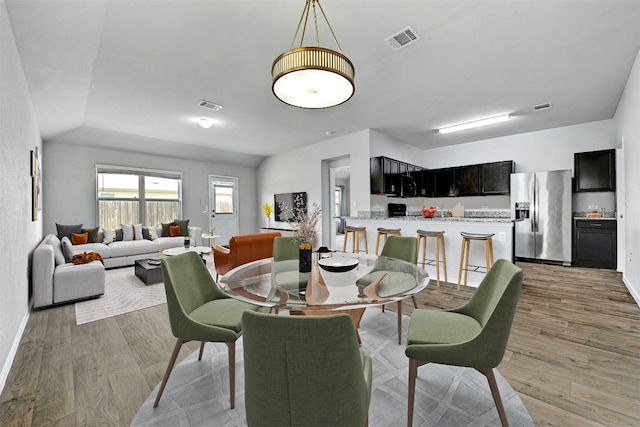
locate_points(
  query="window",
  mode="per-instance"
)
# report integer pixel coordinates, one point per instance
(223, 196)
(137, 196)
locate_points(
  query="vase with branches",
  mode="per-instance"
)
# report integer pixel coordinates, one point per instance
(302, 220)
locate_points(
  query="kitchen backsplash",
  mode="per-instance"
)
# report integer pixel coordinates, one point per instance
(468, 213)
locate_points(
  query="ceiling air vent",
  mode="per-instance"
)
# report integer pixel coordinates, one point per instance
(210, 105)
(403, 39)
(541, 107)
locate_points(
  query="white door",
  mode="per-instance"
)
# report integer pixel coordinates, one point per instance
(223, 199)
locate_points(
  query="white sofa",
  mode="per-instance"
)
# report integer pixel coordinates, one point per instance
(123, 253)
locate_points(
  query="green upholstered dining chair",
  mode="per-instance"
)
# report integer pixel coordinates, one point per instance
(405, 249)
(284, 269)
(286, 248)
(473, 335)
(304, 371)
(200, 311)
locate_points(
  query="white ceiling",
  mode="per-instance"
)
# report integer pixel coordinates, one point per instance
(100, 69)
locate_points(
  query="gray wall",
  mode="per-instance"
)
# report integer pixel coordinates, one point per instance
(627, 139)
(19, 235)
(70, 193)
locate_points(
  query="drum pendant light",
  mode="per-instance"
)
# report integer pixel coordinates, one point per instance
(312, 77)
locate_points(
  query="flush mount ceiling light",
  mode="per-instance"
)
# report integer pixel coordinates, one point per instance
(204, 122)
(312, 76)
(475, 124)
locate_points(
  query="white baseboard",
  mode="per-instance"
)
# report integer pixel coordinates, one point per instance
(632, 291)
(14, 349)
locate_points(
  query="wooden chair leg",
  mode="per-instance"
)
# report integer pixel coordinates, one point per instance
(400, 322)
(366, 245)
(172, 362)
(493, 385)
(444, 259)
(232, 373)
(461, 261)
(413, 373)
(467, 249)
(437, 245)
(415, 303)
(201, 350)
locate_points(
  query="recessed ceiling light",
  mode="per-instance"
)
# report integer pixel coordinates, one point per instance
(475, 124)
(204, 122)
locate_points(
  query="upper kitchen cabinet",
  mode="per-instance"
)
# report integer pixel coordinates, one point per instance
(595, 171)
(496, 177)
(467, 180)
(385, 174)
(444, 185)
(424, 182)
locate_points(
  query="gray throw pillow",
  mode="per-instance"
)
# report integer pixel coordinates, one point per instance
(67, 249)
(66, 230)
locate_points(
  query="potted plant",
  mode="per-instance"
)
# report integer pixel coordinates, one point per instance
(267, 208)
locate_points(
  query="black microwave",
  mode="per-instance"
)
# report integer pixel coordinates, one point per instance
(408, 186)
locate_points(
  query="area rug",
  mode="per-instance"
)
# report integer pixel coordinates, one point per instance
(197, 393)
(123, 293)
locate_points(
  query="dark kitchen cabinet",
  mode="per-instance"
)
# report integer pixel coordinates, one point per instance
(595, 171)
(467, 180)
(424, 182)
(595, 243)
(444, 182)
(385, 175)
(496, 177)
(376, 175)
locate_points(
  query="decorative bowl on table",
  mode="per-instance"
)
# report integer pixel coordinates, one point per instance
(338, 264)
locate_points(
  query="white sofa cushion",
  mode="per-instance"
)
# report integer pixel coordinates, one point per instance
(72, 282)
(132, 247)
(101, 248)
(169, 242)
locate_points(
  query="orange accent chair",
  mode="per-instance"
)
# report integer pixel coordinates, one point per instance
(243, 249)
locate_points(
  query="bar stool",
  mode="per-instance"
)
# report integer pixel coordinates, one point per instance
(385, 232)
(439, 245)
(464, 252)
(355, 232)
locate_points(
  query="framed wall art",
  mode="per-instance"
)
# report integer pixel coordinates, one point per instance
(36, 185)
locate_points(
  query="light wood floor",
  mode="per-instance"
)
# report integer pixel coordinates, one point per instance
(573, 356)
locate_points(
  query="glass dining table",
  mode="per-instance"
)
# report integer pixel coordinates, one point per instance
(343, 283)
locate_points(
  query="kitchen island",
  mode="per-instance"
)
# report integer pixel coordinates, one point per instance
(452, 226)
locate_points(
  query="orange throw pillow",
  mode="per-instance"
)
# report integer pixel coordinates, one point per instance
(79, 239)
(174, 231)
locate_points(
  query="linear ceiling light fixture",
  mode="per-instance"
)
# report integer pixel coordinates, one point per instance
(475, 124)
(312, 76)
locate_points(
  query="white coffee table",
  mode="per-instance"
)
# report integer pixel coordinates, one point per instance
(201, 250)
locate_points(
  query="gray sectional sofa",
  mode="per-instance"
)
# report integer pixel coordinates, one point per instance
(56, 280)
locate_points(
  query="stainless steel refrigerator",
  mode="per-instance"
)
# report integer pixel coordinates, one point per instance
(541, 210)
